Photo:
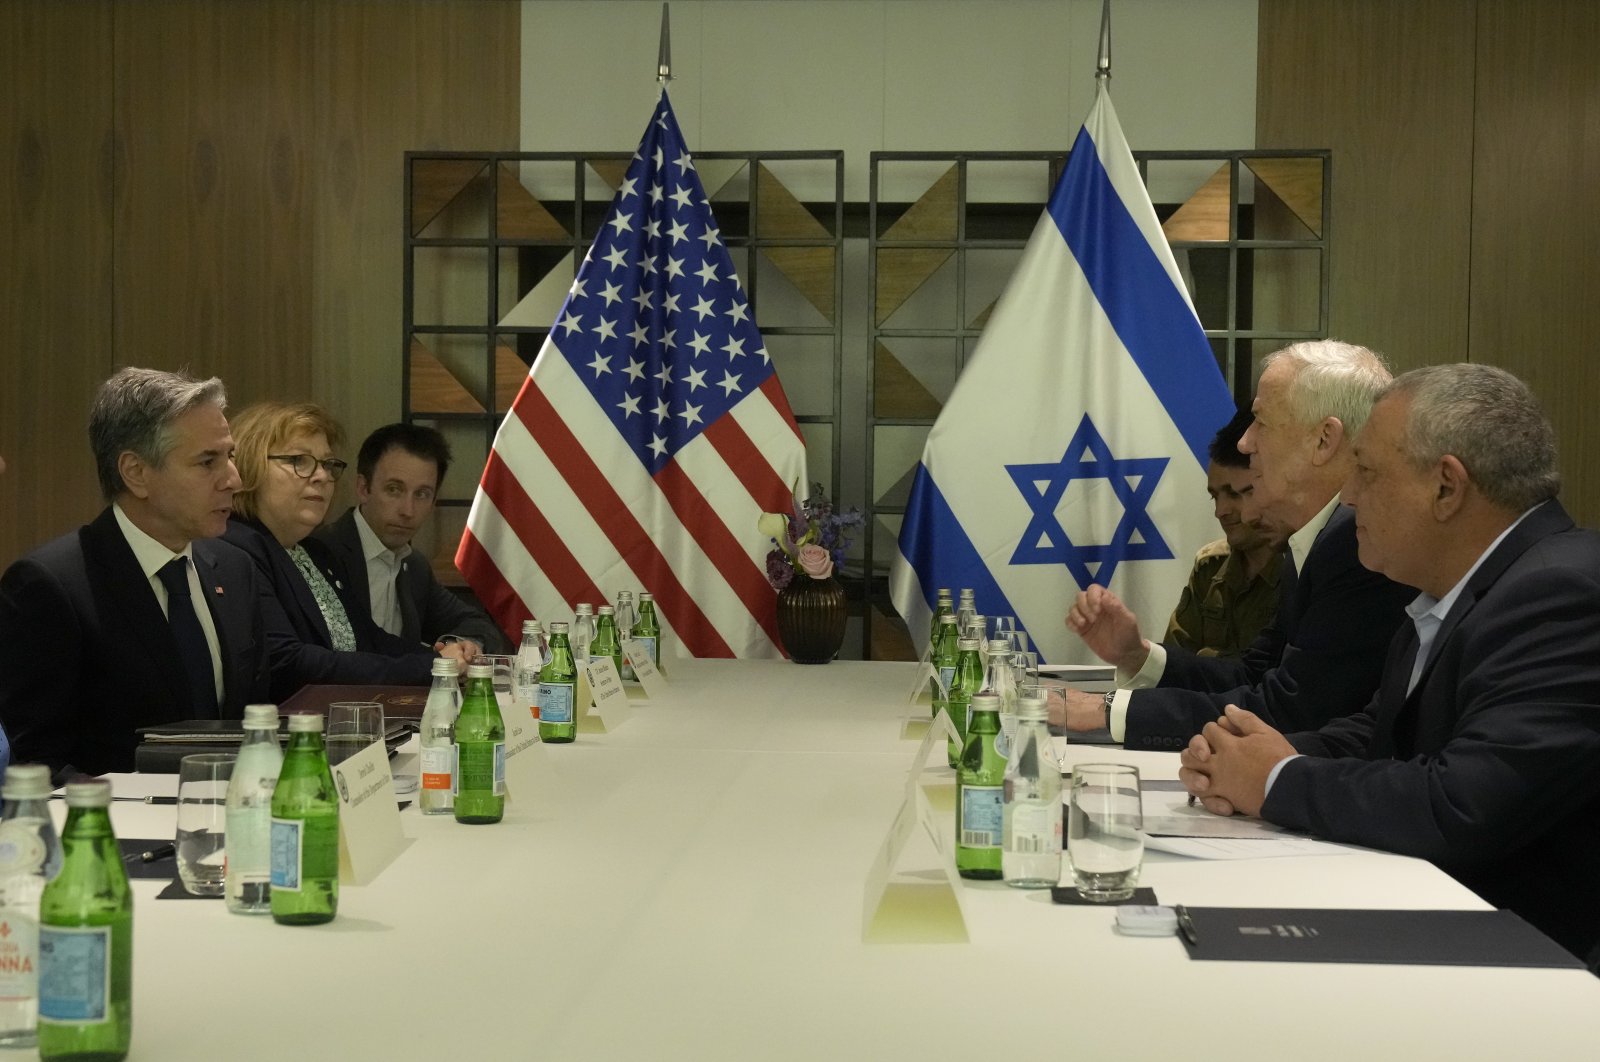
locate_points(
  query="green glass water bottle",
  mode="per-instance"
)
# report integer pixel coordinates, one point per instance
(480, 751)
(944, 607)
(305, 829)
(647, 632)
(968, 681)
(86, 937)
(980, 793)
(946, 654)
(605, 637)
(558, 684)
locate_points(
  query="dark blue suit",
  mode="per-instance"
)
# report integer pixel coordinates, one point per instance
(298, 642)
(1322, 655)
(1491, 766)
(113, 663)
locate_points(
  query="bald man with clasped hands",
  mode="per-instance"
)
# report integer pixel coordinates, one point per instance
(1481, 749)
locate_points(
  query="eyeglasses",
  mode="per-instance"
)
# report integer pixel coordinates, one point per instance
(305, 466)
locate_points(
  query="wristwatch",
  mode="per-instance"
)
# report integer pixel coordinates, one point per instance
(1110, 695)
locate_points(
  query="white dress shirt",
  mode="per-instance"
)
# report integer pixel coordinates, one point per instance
(1155, 664)
(152, 557)
(383, 568)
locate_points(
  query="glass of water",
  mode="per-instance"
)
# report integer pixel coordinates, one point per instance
(1104, 818)
(505, 668)
(352, 726)
(202, 820)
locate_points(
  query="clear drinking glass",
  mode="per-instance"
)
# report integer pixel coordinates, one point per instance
(1104, 818)
(202, 820)
(352, 726)
(505, 669)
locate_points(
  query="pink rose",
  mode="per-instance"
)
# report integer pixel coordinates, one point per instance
(815, 561)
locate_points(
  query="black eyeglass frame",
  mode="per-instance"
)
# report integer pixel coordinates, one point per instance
(331, 465)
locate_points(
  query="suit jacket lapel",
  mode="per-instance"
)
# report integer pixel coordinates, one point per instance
(291, 576)
(138, 612)
(410, 620)
(221, 618)
(347, 538)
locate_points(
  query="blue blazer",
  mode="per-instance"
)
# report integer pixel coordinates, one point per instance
(298, 643)
(1491, 766)
(113, 663)
(1320, 658)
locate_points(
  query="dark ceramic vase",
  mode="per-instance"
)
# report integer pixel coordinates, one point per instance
(811, 617)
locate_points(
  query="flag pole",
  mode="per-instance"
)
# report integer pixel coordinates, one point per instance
(1102, 70)
(664, 56)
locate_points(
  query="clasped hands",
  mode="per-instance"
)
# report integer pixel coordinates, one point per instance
(463, 650)
(1227, 764)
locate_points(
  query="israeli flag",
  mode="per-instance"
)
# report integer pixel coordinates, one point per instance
(1073, 448)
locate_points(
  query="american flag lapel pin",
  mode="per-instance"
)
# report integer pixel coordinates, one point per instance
(217, 590)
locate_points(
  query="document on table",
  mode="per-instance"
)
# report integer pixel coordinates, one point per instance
(1171, 825)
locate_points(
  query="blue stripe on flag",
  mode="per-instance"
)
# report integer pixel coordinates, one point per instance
(931, 535)
(1138, 296)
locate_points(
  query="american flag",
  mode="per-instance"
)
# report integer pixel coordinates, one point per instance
(650, 435)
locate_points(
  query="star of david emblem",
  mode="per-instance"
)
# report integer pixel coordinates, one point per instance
(1133, 480)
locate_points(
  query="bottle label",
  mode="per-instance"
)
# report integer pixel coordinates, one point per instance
(481, 768)
(646, 644)
(1034, 830)
(304, 850)
(982, 810)
(248, 856)
(74, 974)
(22, 850)
(555, 702)
(19, 956)
(438, 764)
(947, 675)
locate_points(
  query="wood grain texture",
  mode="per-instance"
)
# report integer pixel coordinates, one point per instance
(55, 265)
(212, 226)
(1389, 88)
(1536, 218)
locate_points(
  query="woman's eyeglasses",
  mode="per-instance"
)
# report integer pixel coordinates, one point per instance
(305, 466)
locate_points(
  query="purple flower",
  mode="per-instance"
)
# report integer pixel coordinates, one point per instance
(779, 571)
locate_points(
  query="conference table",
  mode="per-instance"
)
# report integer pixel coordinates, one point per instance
(690, 886)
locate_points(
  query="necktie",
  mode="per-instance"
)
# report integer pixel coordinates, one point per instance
(192, 647)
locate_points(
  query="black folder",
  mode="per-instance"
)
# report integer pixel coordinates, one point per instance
(1424, 938)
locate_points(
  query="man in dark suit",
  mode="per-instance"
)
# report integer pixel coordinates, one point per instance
(1481, 749)
(399, 471)
(1324, 650)
(144, 618)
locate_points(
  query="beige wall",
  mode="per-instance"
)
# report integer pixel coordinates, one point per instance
(217, 186)
(1466, 140)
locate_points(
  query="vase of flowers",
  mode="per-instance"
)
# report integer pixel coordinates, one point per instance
(808, 546)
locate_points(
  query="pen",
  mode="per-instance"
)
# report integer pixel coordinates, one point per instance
(164, 851)
(1191, 800)
(1186, 925)
(174, 800)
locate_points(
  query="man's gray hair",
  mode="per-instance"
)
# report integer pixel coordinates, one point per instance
(1332, 379)
(1489, 421)
(135, 410)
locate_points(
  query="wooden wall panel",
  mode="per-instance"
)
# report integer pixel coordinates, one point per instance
(55, 260)
(1536, 218)
(392, 77)
(212, 226)
(1389, 88)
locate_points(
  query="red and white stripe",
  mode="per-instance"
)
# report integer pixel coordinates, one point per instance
(565, 513)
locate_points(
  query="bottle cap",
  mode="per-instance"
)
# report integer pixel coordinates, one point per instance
(305, 723)
(446, 667)
(260, 717)
(966, 594)
(89, 793)
(607, 610)
(985, 702)
(645, 597)
(1032, 707)
(964, 644)
(624, 595)
(558, 627)
(585, 610)
(947, 620)
(476, 670)
(27, 781)
(530, 626)
(999, 645)
(944, 592)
